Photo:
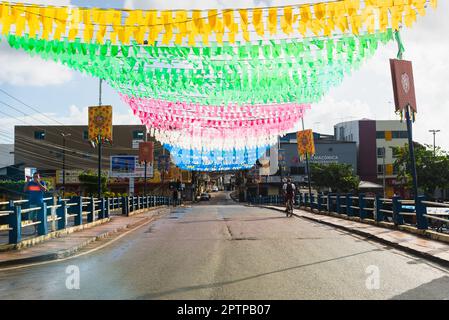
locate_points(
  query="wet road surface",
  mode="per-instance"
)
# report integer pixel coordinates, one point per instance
(222, 250)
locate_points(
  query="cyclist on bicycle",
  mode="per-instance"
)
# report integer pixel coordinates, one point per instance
(289, 193)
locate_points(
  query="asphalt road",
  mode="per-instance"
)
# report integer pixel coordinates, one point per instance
(222, 250)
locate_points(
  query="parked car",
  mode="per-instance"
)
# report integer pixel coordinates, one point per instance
(214, 189)
(205, 197)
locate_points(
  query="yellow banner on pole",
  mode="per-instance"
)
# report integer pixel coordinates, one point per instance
(305, 142)
(100, 123)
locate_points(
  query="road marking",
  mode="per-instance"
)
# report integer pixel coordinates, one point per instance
(80, 254)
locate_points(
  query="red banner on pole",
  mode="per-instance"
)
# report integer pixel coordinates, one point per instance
(146, 150)
(403, 84)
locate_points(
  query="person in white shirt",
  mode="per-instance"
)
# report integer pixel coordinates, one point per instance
(289, 193)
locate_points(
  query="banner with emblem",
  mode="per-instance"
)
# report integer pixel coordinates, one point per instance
(403, 84)
(100, 123)
(146, 150)
(305, 142)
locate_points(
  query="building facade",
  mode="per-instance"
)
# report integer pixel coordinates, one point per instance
(288, 163)
(50, 148)
(376, 143)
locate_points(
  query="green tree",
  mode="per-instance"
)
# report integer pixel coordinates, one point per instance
(89, 182)
(336, 176)
(432, 171)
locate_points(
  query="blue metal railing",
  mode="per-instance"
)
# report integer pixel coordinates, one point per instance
(17, 215)
(419, 213)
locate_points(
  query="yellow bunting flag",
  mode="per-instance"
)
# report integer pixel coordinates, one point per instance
(19, 20)
(287, 20)
(167, 21)
(126, 26)
(272, 20)
(228, 18)
(244, 23)
(61, 23)
(257, 21)
(181, 25)
(305, 19)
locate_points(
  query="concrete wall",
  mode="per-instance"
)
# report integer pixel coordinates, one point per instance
(6, 155)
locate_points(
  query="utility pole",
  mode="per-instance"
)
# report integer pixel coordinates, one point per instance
(412, 152)
(64, 135)
(307, 167)
(99, 147)
(434, 131)
(383, 170)
(145, 174)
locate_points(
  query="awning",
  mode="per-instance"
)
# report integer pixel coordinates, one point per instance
(369, 185)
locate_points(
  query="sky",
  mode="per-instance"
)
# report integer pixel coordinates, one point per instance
(61, 96)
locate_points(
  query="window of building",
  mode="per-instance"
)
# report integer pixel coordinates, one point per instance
(39, 135)
(380, 169)
(342, 133)
(380, 134)
(85, 135)
(399, 135)
(138, 135)
(380, 152)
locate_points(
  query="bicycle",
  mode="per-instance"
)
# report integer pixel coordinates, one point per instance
(289, 207)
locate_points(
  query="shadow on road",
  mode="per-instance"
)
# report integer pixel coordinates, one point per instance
(437, 289)
(157, 295)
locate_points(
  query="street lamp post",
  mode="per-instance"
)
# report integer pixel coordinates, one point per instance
(434, 131)
(308, 168)
(383, 170)
(64, 135)
(99, 145)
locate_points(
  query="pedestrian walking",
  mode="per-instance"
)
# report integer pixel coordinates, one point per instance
(35, 189)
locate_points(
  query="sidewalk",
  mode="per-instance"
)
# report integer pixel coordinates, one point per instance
(68, 244)
(433, 250)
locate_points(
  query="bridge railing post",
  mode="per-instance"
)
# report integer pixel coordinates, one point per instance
(91, 210)
(78, 211)
(306, 200)
(421, 210)
(362, 206)
(15, 224)
(107, 212)
(319, 201)
(378, 215)
(330, 206)
(42, 227)
(349, 209)
(101, 207)
(398, 219)
(312, 202)
(61, 214)
(338, 203)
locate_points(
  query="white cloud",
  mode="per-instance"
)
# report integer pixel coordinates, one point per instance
(20, 69)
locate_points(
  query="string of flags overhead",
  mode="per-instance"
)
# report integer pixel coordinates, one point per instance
(216, 87)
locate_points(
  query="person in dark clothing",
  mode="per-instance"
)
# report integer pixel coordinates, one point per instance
(35, 190)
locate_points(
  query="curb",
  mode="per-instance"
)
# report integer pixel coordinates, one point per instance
(369, 236)
(65, 253)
